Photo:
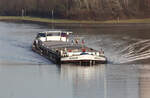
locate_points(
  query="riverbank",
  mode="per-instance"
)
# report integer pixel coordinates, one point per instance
(47, 21)
(44, 20)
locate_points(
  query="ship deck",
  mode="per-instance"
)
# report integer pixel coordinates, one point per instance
(60, 45)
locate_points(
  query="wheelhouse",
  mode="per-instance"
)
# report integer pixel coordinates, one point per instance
(53, 36)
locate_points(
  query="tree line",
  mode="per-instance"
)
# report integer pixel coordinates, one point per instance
(76, 9)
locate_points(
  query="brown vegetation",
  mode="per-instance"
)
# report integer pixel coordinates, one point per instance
(77, 9)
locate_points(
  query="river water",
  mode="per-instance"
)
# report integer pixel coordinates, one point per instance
(25, 74)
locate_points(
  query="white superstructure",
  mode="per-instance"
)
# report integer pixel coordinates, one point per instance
(53, 35)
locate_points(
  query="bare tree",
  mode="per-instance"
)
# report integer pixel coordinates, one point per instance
(76, 9)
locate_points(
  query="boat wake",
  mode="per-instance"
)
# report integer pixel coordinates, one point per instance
(137, 51)
(122, 50)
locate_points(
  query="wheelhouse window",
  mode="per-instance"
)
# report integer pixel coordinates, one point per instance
(41, 35)
(53, 34)
(63, 35)
(49, 34)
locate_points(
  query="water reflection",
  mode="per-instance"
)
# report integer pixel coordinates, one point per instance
(144, 81)
(87, 82)
(102, 81)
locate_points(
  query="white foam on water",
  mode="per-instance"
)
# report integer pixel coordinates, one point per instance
(137, 51)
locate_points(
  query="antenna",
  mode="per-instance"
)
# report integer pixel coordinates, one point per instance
(22, 12)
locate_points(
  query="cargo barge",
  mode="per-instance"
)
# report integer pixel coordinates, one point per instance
(60, 47)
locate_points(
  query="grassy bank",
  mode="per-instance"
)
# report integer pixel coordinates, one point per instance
(46, 20)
